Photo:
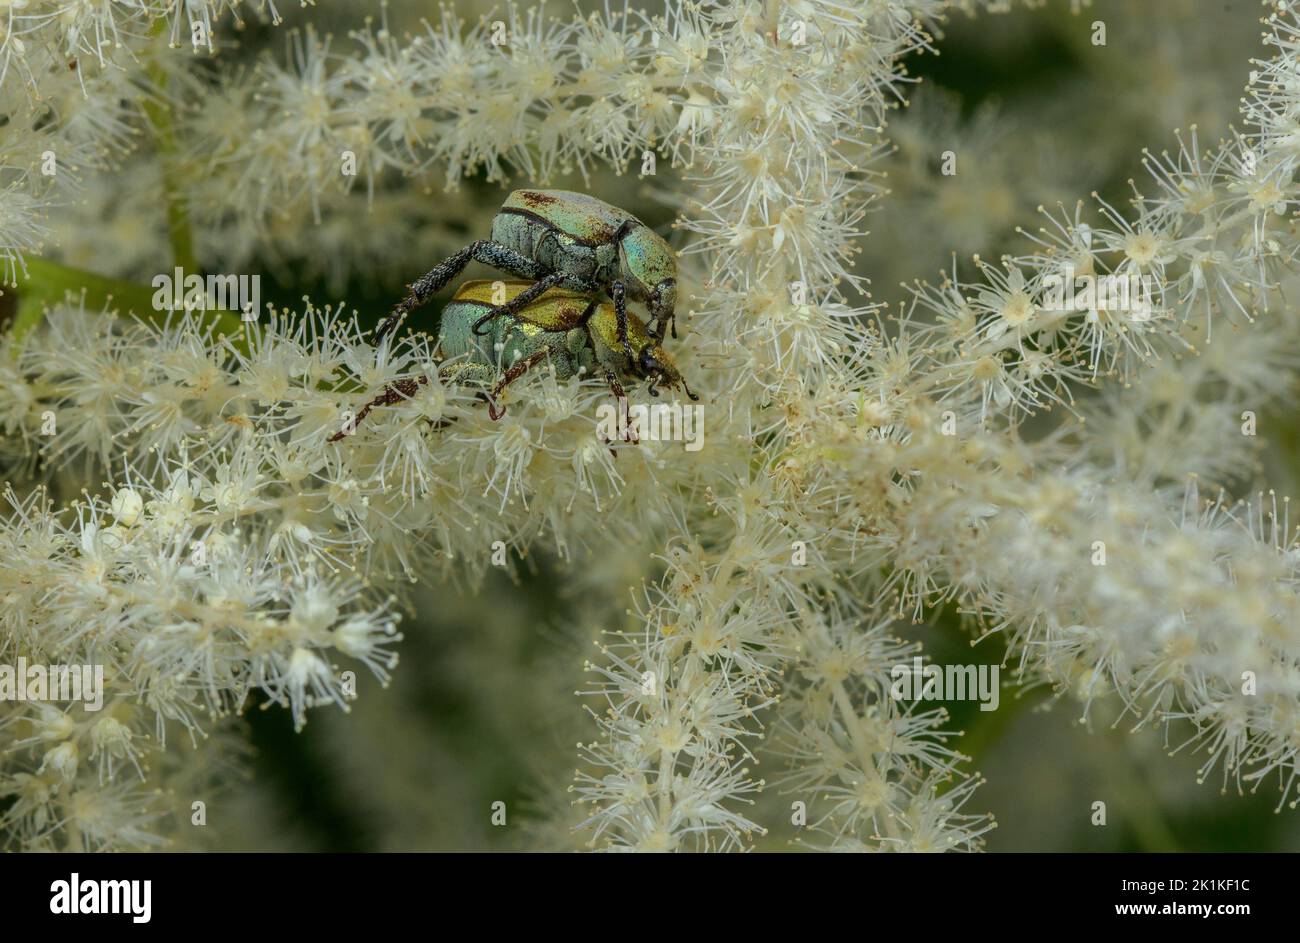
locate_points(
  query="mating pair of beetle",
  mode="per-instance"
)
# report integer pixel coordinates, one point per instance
(569, 246)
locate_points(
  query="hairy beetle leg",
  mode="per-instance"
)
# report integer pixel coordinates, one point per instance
(620, 396)
(510, 376)
(427, 284)
(432, 281)
(656, 328)
(619, 294)
(393, 393)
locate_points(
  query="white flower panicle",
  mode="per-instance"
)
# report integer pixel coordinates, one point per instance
(71, 75)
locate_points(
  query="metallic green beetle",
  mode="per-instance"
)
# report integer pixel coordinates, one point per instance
(558, 238)
(566, 327)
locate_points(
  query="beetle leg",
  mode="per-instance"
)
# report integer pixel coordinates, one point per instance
(519, 301)
(656, 330)
(508, 260)
(510, 376)
(393, 393)
(619, 294)
(621, 396)
(427, 284)
(614, 386)
(432, 281)
(491, 405)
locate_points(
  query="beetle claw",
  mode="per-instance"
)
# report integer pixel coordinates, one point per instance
(494, 412)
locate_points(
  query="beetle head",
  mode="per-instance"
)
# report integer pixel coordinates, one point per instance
(654, 362)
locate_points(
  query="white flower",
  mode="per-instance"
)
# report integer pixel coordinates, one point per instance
(126, 506)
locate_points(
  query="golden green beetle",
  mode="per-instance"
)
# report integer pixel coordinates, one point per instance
(561, 239)
(567, 328)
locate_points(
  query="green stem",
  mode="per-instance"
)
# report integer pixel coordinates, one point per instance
(159, 112)
(47, 283)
